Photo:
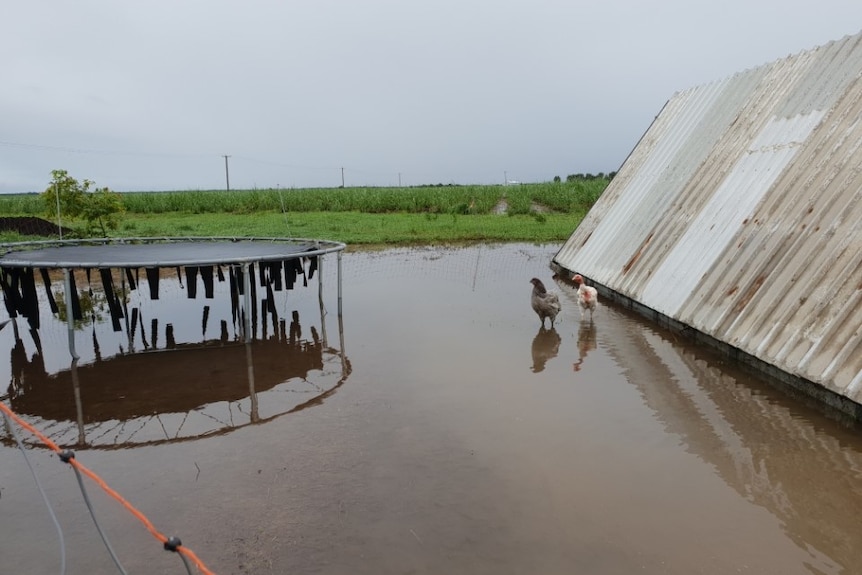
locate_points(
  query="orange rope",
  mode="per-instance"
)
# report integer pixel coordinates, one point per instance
(101, 483)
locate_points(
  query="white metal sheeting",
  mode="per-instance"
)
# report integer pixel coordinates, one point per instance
(739, 214)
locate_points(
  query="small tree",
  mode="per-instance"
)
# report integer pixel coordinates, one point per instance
(100, 208)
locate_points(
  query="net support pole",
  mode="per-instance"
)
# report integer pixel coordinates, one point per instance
(246, 298)
(70, 313)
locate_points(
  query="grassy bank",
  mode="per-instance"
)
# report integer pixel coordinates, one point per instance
(359, 228)
(527, 212)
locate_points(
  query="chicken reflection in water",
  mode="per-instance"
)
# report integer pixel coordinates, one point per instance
(586, 342)
(546, 346)
(180, 392)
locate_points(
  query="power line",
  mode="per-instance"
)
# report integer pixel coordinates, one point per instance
(93, 151)
(284, 165)
(97, 152)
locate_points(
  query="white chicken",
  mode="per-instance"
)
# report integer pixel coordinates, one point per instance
(588, 297)
(545, 303)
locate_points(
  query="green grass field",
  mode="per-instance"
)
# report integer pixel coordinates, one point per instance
(527, 212)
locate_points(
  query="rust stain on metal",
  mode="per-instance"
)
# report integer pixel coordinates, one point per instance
(749, 293)
(586, 239)
(637, 255)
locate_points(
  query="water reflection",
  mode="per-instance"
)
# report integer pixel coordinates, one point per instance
(546, 346)
(586, 342)
(769, 447)
(160, 387)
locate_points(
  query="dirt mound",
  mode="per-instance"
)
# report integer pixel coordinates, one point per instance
(30, 226)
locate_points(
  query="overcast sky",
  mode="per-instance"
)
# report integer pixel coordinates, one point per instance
(152, 95)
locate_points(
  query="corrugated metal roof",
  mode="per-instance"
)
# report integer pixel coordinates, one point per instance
(739, 213)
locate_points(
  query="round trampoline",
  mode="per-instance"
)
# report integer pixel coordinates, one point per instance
(159, 252)
(278, 261)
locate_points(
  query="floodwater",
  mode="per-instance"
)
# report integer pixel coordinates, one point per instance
(432, 428)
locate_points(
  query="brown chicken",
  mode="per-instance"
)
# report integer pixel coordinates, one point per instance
(546, 304)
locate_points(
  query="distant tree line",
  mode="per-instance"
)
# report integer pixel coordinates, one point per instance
(586, 177)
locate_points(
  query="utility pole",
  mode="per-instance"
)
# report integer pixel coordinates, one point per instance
(399, 179)
(342, 177)
(226, 172)
(505, 179)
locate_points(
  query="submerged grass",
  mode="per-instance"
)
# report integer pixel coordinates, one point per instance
(533, 212)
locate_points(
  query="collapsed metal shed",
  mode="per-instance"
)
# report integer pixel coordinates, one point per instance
(738, 218)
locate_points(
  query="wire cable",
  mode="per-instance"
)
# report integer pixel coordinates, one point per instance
(65, 456)
(171, 544)
(186, 563)
(41, 491)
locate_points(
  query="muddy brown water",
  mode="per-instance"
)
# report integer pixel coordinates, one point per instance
(433, 429)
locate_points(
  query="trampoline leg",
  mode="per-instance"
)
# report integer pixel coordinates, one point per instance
(70, 314)
(79, 408)
(339, 284)
(252, 394)
(341, 344)
(246, 278)
(320, 299)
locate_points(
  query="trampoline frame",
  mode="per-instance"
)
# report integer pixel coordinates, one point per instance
(321, 247)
